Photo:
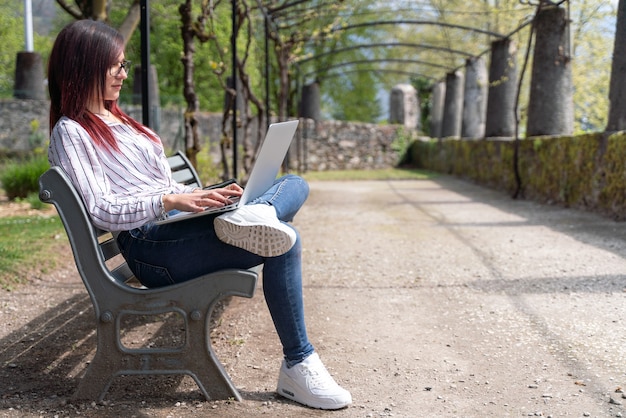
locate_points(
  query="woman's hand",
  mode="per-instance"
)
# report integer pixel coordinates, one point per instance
(199, 199)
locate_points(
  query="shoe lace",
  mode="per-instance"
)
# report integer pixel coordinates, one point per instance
(318, 377)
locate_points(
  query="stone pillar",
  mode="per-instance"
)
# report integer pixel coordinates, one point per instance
(453, 109)
(153, 97)
(502, 89)
(617, 90)
(403, 106)
(475, 98)
(29, 76)
(551, 105)
(437, 101)
(310, 102)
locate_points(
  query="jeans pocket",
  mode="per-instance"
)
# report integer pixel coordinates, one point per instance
(152, 276)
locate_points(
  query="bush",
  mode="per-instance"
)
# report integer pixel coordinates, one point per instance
(20, 179)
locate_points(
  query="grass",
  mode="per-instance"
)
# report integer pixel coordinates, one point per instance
(28, 243)
(382, 174)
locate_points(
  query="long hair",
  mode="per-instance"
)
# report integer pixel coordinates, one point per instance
(82, 54)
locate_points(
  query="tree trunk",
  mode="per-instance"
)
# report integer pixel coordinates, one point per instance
(283, 69)
(192, 146)
(132, 19)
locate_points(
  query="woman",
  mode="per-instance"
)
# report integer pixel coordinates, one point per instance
(119, 168)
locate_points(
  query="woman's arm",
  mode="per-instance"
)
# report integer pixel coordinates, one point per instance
(121, 205)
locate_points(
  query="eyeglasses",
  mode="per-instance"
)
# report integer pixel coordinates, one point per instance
(117, 68)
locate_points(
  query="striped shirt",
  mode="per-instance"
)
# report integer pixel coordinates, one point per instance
(121, 190)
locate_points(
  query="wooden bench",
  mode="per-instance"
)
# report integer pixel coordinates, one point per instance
(108, 280)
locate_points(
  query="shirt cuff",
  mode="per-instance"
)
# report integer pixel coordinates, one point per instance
(159, 208)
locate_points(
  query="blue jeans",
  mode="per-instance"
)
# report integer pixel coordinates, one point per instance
(160, 255)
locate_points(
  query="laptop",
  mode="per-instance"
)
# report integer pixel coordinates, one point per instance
(266, 167)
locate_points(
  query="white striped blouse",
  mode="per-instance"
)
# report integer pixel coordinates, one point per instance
(121, 190)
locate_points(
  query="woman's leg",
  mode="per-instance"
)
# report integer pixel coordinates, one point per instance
(287, 196)
(282, 287)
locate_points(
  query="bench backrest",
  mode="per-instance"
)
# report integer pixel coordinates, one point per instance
(95, 251)
(182, 170)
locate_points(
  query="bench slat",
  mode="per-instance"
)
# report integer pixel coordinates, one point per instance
(182, 170)
(185, 176)
(109, 249)
(122, 273)
(176, 162)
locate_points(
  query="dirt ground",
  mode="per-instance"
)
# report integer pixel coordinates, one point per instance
(433, 298)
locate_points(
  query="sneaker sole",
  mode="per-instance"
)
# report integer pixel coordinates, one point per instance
(262, 240)
(287, 391)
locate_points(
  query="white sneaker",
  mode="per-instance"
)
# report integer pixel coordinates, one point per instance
(310, 384)
(255, 228)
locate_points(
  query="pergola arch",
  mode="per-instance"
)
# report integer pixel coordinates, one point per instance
(385, 44)
(379, 60)
(383, 70)
(419, 22)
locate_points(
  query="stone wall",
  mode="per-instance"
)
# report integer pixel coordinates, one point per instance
(336, 145)
(583, 171)
(23, 125)
(318, 146)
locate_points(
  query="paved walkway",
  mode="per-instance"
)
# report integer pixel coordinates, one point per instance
(441, 298)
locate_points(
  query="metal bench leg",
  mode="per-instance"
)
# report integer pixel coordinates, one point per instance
(102, 369)
(208, 371)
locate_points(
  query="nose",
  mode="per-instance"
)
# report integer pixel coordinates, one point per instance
(122, 74)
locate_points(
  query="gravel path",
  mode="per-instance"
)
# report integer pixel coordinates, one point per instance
(432, 298)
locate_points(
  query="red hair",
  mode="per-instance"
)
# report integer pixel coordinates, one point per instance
(82, 54)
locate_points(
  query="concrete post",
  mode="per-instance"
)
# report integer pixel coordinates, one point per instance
(28, 76)
(310, 102)
(502, 89)
(403, 106)
(551, 105)
(617, 90)
(453, 109)
(437, 101)
(475, 98)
